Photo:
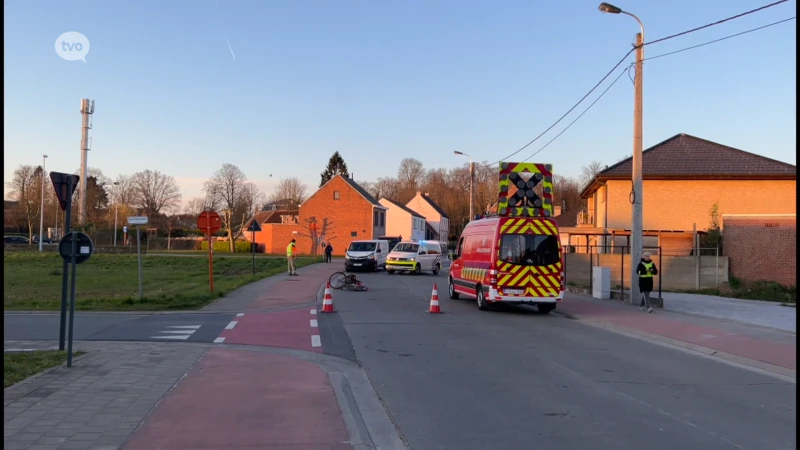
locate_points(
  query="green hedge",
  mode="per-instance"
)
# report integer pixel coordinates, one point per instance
(225, 246)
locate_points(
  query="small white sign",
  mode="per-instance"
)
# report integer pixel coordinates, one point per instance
(84, 250)
(137, 220)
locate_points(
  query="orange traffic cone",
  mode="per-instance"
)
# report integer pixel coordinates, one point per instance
(327, 302)
(434, 308)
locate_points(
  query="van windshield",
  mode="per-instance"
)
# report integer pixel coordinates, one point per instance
(361, 247)
(407, 248)
(529, 250)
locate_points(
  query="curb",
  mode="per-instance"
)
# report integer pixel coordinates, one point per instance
(783, 373)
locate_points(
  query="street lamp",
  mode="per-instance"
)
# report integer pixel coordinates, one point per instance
(41, 207)
(456, 152)
(116, 207)
(636, 226)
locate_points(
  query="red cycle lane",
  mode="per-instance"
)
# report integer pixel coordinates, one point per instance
(237, 399)
(287, 329)
(294, 291)
(763, 350)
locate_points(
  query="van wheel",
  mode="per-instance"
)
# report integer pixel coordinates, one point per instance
(417, 269)
(452, 289)
(546, 308)
(436, 269)
(389, 271)
(482, 305)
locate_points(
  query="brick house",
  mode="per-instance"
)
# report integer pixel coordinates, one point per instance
(437, 221)
(761, 247)
(341, 211)
(277, 228)
(684, 177)
(403, 221)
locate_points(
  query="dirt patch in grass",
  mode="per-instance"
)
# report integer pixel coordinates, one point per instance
(18, 366)
(32, 281)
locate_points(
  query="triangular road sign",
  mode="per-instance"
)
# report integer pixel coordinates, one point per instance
(254, 226)
(61, 183)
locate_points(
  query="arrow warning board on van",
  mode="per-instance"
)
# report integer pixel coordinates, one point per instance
(526, 190)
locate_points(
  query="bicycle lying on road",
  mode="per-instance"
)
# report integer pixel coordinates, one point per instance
(344, 280)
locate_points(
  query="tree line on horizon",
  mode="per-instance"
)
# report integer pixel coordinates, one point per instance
(229, 192)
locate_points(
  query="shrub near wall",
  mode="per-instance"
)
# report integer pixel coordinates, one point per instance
(225, 246)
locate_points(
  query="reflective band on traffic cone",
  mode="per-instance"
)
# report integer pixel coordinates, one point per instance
(434, 308)
(327, 302)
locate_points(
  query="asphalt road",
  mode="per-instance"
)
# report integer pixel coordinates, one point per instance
(516, 379)
(118, 327)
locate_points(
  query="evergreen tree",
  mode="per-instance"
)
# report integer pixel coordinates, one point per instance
(336, 166)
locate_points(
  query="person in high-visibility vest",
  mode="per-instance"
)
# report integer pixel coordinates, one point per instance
(646, 270)
(290, 255)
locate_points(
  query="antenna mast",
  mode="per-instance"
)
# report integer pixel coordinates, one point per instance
(87, 109)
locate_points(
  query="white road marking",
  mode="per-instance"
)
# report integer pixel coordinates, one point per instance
(231, 325)
(176, 331)
(315, 341)
(183, 336)
(185, 327)
(313, 323)
(313, 311)
(239, 314)
(219, 340)
(183, 332)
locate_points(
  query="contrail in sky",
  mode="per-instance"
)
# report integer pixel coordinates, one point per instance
(219, 14)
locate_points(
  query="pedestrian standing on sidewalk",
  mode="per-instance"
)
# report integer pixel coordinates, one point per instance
(290, 255)
(328, 252)
(646, 270)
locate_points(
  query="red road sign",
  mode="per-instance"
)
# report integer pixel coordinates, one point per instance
(209, 219)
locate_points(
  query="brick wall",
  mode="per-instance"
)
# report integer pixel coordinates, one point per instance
(347, 214)
(676, 205)
(761, 248)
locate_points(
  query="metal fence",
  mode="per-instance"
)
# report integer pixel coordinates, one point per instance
(607, 255)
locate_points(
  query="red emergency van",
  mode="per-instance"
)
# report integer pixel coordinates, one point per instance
(509, 259)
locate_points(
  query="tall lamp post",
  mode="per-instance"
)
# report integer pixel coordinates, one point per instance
(41, 207)
(116, 208)
(456, 152)
(636, 227)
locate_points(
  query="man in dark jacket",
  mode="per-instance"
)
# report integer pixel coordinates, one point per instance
(328, 252)
(646, 270)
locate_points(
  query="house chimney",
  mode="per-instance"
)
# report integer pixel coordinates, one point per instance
(556, 211)
(419, 192)
(427, 194)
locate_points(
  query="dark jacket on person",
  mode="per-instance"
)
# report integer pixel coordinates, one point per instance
(328, 249)
(646, 282)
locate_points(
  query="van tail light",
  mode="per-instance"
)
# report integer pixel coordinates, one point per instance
(493, 278)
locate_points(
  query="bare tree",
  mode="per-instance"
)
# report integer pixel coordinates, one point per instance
(154, 191)
(289, 189)
(410, 176)
(566, 193)
(385, 187)
(25, 186)
(195, 206)
(318, 231)
(589, 171)
(228, 187)
(124, 191)
(250, 202)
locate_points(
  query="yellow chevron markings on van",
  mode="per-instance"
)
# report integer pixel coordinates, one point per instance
(520, 277)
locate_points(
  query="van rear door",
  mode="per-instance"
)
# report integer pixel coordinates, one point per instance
(529, 258)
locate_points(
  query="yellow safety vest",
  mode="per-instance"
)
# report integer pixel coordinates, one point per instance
(647, 267)
(290, 249)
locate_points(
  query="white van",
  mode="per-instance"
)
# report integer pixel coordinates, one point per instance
(415, 257)
(366, 255)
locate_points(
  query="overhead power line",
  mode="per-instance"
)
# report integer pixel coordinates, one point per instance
(620, 62)
(653, 57)
(716, 23)
(721, 39)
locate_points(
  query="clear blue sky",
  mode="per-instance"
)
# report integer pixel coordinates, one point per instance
(380, 81)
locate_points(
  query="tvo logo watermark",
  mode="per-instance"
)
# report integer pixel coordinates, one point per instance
(72, 46)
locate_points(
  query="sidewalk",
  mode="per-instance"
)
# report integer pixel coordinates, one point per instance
(183, 396)
(756, 312)
(757, 347)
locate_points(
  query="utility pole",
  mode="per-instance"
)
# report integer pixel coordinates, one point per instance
(41, 207)
(116, 209)
(636, 177)
(87, 109)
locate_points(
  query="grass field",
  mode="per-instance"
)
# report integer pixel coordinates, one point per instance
(32, 281)
(20, 365)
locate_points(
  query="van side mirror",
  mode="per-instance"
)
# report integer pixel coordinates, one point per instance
(378, 250)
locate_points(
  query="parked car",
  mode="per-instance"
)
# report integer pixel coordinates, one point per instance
(415, 257)
(15, 240)
(366, 255)
(45, 240)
